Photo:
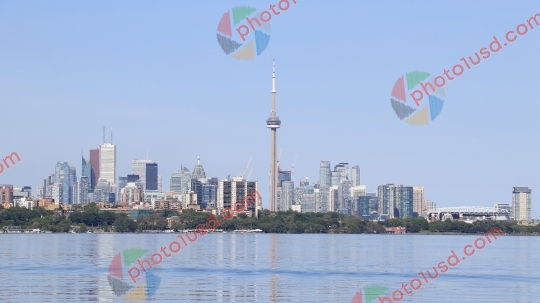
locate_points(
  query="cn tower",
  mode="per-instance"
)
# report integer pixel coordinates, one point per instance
(273, 124)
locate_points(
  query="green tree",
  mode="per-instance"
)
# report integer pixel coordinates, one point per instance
(124, 224)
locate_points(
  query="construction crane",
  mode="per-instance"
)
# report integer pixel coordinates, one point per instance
(245, 167)
(292, 168)
(249, 173)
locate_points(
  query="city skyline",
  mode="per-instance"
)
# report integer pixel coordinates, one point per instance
(337, 190)
(180, 97)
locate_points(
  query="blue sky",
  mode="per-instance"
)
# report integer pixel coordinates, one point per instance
(154, 72)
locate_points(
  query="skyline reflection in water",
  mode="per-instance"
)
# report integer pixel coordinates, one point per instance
(269, 267)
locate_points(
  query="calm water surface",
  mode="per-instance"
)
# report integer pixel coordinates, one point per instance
(269, 268)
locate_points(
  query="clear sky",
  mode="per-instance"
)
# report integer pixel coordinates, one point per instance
(154, 72)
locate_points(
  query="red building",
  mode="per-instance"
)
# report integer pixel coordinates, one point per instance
(94, 162)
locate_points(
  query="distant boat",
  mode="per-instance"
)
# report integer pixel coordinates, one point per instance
(248, 230)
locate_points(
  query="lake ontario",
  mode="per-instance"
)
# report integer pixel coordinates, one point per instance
(245, 267)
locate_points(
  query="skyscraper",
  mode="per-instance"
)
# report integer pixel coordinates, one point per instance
(419, 201)
(62, 178)
(84, 185)
(273, 123)
(94, 163)
(210, 191)
(198, 171)
(283, 175)
(107, 162)
(151, 176)
(176, 181)
(287, 195)
(521, 202)
(355, 175)
(388, 200)
(309, 201)
(343, 169)
(86, 170)
(138, 167)
(325, 174)
(185, 185)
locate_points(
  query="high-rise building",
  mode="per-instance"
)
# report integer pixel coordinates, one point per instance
(84, 186)
(325, 174)
(357, 191)
(197, 188)
(283, 175)
(343, 169)
(198, 171)
(94, 163)
(62, 177)
(209, 193)
(522, 203)
(102, 190)
(72, 174)
(405, 202)
(151, 176)
(131, 194)
(286, 195)
(122, 182)
(107, 162)
(6, 194)
(273, 122)
(365, 205)
(56, 192)
(355, 175)
(323, 199)
(309, 201)
(138, 167)
(344, 197)
(398, 201)
(159, 183)
(86, 170)
(133, 178)
(75, 192)
(430, 205)
(419, 202)
(176, 181)
(335, 178)
(237, 189)
(185, 185)
(387, 200)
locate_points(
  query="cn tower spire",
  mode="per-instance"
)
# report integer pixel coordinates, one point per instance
(273, 123)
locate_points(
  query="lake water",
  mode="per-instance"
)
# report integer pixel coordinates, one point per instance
(268, 268)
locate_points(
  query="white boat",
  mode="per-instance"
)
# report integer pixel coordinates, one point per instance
(248, 230)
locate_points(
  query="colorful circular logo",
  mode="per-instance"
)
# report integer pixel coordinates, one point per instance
(131, 278)
(243, 33)
(417, 99)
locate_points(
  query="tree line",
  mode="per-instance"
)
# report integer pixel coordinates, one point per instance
(90, 217)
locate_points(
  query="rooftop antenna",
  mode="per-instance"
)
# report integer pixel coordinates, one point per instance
(147, 153)
(103, 134)
(111, 134)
